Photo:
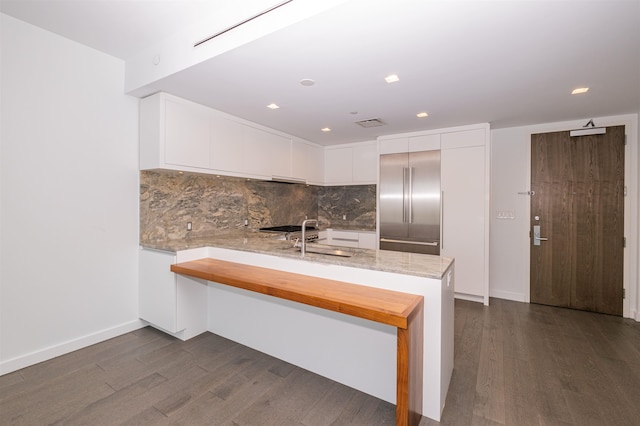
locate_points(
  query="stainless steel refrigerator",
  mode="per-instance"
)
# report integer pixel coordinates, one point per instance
(409, 202)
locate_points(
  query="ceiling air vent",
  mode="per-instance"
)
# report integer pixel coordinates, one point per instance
(372, 122)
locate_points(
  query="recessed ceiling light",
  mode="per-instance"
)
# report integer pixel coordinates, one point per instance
(307, 82)
(391, 78)
(422, 114)
(326, 129)
(580, 90)
(273, 106)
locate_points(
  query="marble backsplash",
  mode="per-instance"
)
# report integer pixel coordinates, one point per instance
(347, 207)
(215, 205)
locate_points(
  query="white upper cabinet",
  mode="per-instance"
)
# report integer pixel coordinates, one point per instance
(338, 165)
(464, 138)
(187, 134)
(266, 154)
(307, 162)
(178, 134)
(174, 134)
(413, 143)
(365, 163)
(393, 145)
(226, 144)
(424, 143)
(352, 164)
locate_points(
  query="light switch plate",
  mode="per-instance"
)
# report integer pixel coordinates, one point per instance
(506, 214)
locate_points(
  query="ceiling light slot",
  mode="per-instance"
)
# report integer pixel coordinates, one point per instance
(372, 122)
(264, 12)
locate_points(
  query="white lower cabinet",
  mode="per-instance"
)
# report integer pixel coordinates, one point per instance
(174, 303)
(323, 237)
(463, 213)
(465, 209)
(368, 240)
(345, 238)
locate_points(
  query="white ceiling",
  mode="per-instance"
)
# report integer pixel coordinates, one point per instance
(508, 63)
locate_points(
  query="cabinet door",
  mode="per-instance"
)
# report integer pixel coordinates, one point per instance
(186, 132)
(338, 165)
(158, 290)
(365, 163)
(344, 238)
(424, 143)
(265, 154)
(226, 144)
(151, 117)
(463, 216)
(323, 237)
(367, 240)
(463, 139)
(393, 146)
(307, 162)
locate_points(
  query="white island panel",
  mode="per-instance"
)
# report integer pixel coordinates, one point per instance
(352, 351)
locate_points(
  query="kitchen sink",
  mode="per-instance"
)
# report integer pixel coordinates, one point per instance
(329, 251)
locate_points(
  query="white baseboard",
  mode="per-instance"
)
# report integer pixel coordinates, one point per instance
(45, 354)
(508, 295)
(469, 297)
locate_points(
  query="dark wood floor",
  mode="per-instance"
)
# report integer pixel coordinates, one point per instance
(515, 364)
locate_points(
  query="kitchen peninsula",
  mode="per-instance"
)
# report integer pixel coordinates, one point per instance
(357, 352)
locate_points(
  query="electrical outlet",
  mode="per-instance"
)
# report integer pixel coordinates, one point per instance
(246, 222)
(189, 226)
(344, 217)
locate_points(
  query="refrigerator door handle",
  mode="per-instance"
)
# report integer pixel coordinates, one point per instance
(410, 200)
(417, 243)
(405, 198)
(442, 219)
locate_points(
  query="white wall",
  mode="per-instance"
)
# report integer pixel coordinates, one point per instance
(68, 194)
(509, 238)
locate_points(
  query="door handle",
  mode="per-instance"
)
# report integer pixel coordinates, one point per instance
(410, 215)
(536, 236)
(405, 194)
(442, 219)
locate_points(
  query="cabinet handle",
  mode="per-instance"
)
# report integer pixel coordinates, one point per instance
(442, 220)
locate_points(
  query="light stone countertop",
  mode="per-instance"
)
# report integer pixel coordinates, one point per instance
(422, 265)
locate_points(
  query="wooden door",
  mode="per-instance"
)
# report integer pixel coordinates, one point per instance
(578, 203)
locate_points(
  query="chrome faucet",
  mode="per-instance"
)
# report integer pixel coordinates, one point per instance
(303, 244)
